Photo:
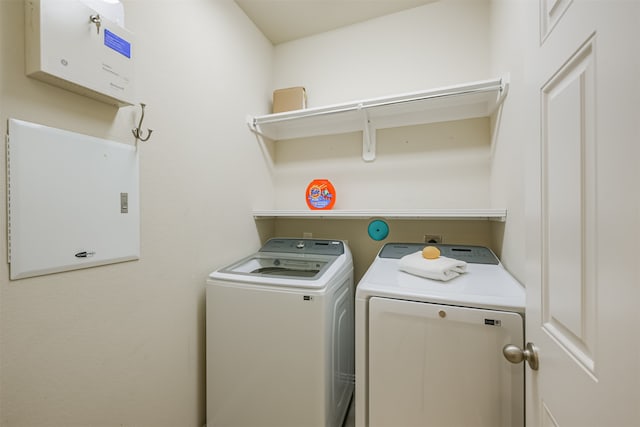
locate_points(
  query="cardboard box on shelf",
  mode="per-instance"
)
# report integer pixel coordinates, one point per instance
(289, 99)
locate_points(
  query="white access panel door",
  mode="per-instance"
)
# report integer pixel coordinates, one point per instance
(73, 200)
(438, 365)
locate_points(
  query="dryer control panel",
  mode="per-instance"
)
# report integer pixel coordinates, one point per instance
(467, 253)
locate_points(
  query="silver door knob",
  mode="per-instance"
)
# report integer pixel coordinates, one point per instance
(515, 354)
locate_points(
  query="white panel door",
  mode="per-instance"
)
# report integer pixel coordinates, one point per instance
(582, 211)
(433, 365)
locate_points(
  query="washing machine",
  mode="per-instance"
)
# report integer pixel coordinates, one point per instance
(280, 336)
(429, 353)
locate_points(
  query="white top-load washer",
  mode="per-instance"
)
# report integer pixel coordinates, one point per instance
(280, 336)
(429, 353)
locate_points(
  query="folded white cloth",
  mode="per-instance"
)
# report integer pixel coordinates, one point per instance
(442, 268)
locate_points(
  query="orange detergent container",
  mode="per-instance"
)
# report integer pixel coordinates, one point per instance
(320, 194)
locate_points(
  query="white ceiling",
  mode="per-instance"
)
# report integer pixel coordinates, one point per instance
(285, 20)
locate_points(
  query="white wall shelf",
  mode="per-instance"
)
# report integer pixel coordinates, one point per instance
(441, 214)
(465, 101)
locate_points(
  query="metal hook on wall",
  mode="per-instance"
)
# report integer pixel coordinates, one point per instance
(138, 131)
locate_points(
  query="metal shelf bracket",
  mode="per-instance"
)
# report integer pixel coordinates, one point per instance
(368, 137)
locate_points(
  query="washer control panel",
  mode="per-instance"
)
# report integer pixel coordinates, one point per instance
(304, 246)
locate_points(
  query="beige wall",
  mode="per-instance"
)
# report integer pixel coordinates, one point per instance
(510, 129)
(439, 165)
(124, 344)
(439, 44)
(448, 165)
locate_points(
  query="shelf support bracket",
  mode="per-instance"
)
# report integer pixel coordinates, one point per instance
(368, 137)
(253, 127)
(504, 88)
(261, 137)
(251, 124)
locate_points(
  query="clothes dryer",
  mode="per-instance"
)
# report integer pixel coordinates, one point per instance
(280, 336)
(429, 353)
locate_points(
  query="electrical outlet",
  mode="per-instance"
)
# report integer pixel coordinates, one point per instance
(433, 238)
(307, 235)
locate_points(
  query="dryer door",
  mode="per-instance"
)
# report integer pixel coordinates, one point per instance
(438, 365)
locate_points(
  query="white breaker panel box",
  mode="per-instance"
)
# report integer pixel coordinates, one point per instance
(82, 46)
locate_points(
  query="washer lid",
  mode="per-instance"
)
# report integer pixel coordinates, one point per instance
(290, 263)
(281, 265)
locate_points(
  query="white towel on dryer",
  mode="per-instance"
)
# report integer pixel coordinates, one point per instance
(441, 268)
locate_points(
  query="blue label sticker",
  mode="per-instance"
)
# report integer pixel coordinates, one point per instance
(117, 43)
